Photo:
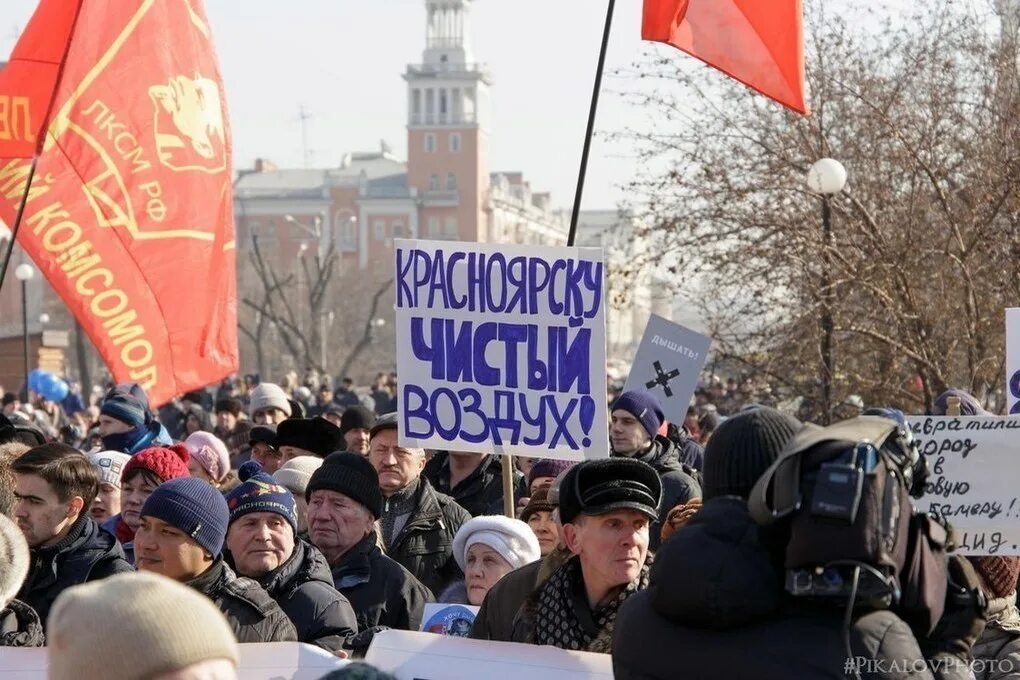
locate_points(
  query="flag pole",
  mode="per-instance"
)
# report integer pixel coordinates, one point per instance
(17, 220)
(591, 124)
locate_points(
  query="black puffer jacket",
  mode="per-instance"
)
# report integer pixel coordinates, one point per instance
(252, 614)
(20, 626)
(716, 602)
(677, 486)
(481, 492)
(303, 587)
(424, 544)
(381, 591)
(87, 553)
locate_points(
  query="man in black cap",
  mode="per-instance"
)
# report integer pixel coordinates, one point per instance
(606, 507)
(307, 437)
(262, 440)
(356, 423)
(344, 502)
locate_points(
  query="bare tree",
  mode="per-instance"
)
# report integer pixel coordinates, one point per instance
(923, 258)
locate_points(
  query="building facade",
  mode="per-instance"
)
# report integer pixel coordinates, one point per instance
(443, 190)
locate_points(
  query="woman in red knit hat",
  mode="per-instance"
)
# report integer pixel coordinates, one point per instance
(146, 470)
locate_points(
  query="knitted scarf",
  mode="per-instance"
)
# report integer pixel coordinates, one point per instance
(397, 510)
(565, 619)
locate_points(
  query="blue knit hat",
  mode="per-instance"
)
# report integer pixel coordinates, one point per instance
(643, 406)
(127, 403)
(259, 492)
(193, 506)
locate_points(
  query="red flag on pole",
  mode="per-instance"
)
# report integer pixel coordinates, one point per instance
(758, 42)
(130, 215)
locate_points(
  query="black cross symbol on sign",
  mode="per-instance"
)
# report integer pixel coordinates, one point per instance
(662, 378)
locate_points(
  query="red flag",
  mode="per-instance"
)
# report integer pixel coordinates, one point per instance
(29, 79)
(130, 215)
(758, 42)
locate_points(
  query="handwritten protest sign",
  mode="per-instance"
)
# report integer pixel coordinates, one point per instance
(1013, 360)
(502, 349)
(667, 364)
(448, 619)
(973, 465)
(263, 661)
(420, 656)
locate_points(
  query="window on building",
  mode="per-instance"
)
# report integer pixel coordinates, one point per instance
(346, 231)
(430, 142)
(433, 227)
(379, 228)
(455, 142)
(451, 182)
(398, 230)
(416, 102)
(434, 183)
(451, 226)
(444, 103)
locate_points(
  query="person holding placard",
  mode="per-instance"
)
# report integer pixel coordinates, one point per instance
(635, 421)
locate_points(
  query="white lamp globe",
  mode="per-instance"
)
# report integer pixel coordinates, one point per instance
(826, 176)
(24, 272)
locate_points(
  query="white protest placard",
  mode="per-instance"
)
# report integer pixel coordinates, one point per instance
(501, 349)
(420, 656)
(1013, 361)
(448, 619)
(263, 661)
(668, 364)
(973, 465)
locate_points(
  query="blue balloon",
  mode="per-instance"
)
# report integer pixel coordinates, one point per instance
(53, 388)
(34, 379)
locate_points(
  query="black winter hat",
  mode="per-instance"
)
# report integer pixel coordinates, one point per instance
(317, 435)
(355, 417)
(263, 433)
(353, 476)
(742, 448)
(596, 487)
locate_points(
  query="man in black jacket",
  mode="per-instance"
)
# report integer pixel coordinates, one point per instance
(474, 480)
(418, 523)
(635, 420)
(344, 502)
(183, 526)
(53, 488)
(716, 595)
(262, 544)
(19, 624)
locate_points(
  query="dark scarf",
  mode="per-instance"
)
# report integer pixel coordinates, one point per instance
(565, 619)
(400, 503)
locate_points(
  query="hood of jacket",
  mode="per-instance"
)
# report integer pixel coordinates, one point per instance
(305, 564)
(664, 456)
(717, 571)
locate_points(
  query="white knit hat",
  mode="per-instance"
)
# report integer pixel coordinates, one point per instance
(150, 625)
(297, 472)
(268, 395)
(109, 465)
(13, 560)
(511, 538)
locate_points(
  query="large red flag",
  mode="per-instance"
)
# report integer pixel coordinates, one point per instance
(130, 215)
(758, 42)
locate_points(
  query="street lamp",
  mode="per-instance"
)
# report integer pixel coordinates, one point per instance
(826, 177)
(24, 273)
(44, 319)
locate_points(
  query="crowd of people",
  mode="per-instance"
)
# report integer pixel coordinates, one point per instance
(269, 512)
